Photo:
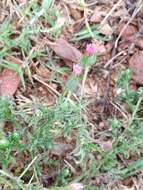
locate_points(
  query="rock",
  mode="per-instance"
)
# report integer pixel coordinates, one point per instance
(129, 31)
(139, 43)
(97, 15)
(106, 29)
(106, 146)
(65, 50)
(9, 79)
(136, 64)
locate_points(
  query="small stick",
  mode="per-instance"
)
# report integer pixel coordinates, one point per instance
(7, 175)
(113, 58)
(125, 27)
(119, 109)
(111, 12)
(36, 77)
(31, 163)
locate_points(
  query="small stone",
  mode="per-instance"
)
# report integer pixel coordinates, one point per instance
(139, 43)
(129, 31)
(75, 186)
(107, 146)
(101, 125)
(97, 15)
(136, 65)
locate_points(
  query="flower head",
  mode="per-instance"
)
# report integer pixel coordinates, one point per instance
(77, 69)
(76, 186)
(60, 21)
(90, 49)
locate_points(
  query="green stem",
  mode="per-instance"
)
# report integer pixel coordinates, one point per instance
(84, 80)
(2, 134)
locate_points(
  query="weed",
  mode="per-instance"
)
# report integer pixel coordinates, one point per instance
(37, 131)
(84, 34)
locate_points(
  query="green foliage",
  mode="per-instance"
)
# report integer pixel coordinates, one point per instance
(5, 109)
(124, 79)
(88, 60)
(85, 34)
(123, 90)
(36, 128)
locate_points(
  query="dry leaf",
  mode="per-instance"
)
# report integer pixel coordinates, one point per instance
(91, 88)
(109, 46)
(139, 43)
(65, 50)
(136, 64)
(44, 72)
(106, 29)
(129, 31)
(97, 15)
(60, 149)
(126, 42)
(9, 79)
(74, 12)
(14, 60)
(107, 146)
(100, 48)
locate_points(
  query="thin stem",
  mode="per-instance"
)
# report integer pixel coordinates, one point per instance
(84, 80)
(31, 163)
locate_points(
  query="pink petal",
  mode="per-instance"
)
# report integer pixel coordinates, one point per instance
(76, 186)
(77, 69)
(90, 49)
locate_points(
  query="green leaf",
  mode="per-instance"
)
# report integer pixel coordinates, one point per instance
(88, 60)
(72, 83)
(46, 4)
(85, 34)
(115, 123)
(133, 167)
(124, 78)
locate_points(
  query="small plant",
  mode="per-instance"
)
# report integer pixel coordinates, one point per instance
(123, 90)
(90, 32)
(56, 147)
(87, 60)
(5, 111)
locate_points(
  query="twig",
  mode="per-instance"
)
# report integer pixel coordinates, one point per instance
(110, 12)
(36, 77)
(7, 175)
(113, 58)
(129, 21)
(13, 178)
(31, 179)
(31, 163)
(71, 167)
(119, 109)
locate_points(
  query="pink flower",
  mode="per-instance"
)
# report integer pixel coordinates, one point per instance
(90, 49)
(60, 21)
(76, 186)
(77, 69)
